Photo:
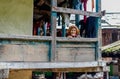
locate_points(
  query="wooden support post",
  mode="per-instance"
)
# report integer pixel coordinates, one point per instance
(98, 31)
(53, 28)
(86, 75)
(63, 30)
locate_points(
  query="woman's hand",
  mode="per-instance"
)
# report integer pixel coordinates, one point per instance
(69, 36)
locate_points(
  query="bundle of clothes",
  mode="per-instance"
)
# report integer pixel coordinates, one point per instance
(89, 29)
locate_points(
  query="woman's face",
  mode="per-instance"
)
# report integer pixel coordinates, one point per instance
(73, 32)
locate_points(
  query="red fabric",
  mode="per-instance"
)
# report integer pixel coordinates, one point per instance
(92, 4)
(35, 27)
(82, 0)
(85, 9)
(48, 25)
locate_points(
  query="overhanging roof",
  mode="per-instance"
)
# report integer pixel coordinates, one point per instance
(111, 48)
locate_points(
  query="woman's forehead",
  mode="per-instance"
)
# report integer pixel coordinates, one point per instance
(74, 28)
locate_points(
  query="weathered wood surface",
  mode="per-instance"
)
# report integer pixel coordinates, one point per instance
(33, 48)
(24, 52)
(64, 39)
(80, 52)
(73, 11)
(51, 65)
(24, 37)
(53, 24)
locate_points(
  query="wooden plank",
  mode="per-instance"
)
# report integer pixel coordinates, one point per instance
(49, 65)
(72, 46)
(73, 11)
(85, 69)
(19, 39)
(24, 52)
(77, 44)
(53, 45)
(98, 25)
(53, 27)
(76, 51)
(25, 37)
(64, 39)
(75, 54)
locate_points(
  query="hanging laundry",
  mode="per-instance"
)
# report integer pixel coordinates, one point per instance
(77, 4)
(91, 28)
(93, 5)
(36, 25)
(83, 28)
(88, 29)
(85, 8)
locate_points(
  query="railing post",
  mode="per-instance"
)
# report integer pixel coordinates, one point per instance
(98, 31)
(53, 31)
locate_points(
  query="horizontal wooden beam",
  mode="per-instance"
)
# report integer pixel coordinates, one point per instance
(45, 38)
(73, 46)
(47, 65)
(25, 37)
(85, 69)
(80, 12)
(64, 39)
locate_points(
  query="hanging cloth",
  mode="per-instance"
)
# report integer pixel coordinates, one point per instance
(77, 4)
(85, 8)
(93, 5)
(91, 29)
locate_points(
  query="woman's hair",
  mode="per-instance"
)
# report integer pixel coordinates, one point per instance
(71, 27)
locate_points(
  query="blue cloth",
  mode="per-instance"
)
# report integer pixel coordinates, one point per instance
(77, 4)
(91, 28)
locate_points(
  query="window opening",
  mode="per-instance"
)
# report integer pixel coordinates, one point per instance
(41, 18)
